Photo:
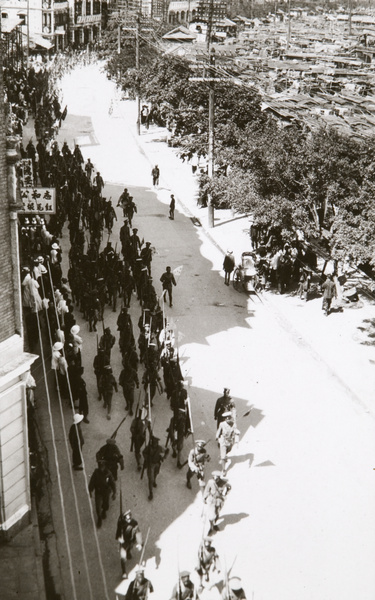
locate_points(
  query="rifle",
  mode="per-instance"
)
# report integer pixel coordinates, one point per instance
(144, 546)
(113, 436)
(149, 446)
(97, 343)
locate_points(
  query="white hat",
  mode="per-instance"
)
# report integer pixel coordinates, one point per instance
(55, 246)
(58, 346)
(77, 418)
(75, 329)
(235, 583)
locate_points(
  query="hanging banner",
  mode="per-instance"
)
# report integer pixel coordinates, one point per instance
(25, 172)
(38, 200)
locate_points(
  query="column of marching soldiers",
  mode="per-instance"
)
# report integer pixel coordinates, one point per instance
(95, 279)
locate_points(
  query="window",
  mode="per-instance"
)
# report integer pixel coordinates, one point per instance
(4, 15)
(88, 7)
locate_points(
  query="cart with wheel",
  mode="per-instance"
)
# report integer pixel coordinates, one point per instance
(245, 274)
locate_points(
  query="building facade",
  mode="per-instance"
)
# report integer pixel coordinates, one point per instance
(15, 500)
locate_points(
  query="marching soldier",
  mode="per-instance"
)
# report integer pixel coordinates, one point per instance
(128, 535)
(146, 256)
(223, 404)
(178, 429)
(107, 385)
(197, 459)
(214, 496)
(207, 559)
(233, 590)
(100, 361)
(138, 433)
(151, 378)
(185, 588)
(153, 456)
(112, 456)
(107, 341)
(227, 435)
(102, 483)
(140, 588)
(127, 284)
(128, 380)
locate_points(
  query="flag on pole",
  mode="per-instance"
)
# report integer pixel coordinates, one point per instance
(177, 272)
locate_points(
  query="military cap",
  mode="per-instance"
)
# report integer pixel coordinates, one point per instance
(200, 442)
(184, 574)
(207, 539)
(127, 512)
(216, 474)
(227, 414)
(139, 569)
(110, 441)
(135, 230)
(155, 439)
(108, 367)
(235, 583)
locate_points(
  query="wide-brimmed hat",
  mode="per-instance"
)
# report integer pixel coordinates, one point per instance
(235, 583)
(55, 246)
(77, 418)
(75, 329)
(58, 346)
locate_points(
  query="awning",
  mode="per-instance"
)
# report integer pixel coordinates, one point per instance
(38, 40)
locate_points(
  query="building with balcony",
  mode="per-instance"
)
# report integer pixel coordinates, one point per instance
(85, 21)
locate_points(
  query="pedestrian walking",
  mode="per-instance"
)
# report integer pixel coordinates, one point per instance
(223, 404)
(128, 535)
(168, 281)
(102, 483)
(76, 441)
(329, 292)
(214, 496)
(172, 206)
(228, 266)
(112, 456)
(140, 588)
(155, 175)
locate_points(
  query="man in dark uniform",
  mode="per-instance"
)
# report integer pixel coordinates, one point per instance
(222, 405)
(127, 535)
(146, 256)
(153, 456)
(107, 341)
(128, 380)
(102, 483)
(101, 360)
(184, 589)
(138, 433)
(112, 456)
(228, 266)
(140, 588)
(168, 281)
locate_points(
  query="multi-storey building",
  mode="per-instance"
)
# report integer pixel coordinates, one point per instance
(15, 500)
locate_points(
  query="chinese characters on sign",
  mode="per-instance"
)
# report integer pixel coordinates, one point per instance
(25, 172)
(38, 200)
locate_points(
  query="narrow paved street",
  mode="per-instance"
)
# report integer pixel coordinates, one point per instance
(299, 522)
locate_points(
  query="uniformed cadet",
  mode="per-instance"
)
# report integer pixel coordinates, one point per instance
(128, 535)
(214, 496)
(102, 483)
(107, 385)
(153, 456)
(107, 341)
(185, 588)
(177, 431)
(138, 434)
(140, 588)
(227, 435)
(100, 361)
(233, 590)
(112, 456)
(207, 559)
(196, 460)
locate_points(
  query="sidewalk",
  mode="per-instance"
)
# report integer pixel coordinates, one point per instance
(344, 341)
(21, 568)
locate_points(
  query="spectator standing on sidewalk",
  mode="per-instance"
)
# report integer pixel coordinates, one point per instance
(329, 292)
(228, 266)
(172, 206)
(76, 441)
(155, 175)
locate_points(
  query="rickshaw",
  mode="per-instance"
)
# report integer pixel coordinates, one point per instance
(245, 275)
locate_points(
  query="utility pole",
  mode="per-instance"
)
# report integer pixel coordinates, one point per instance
(138, 99)
(211, 137)
(350, 17)
(288, 37)
(28, 36)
